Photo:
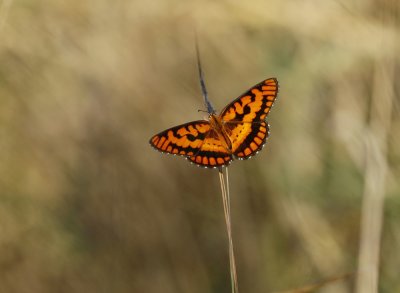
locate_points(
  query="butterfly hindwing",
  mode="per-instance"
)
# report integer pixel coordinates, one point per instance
(213, 152)
(253, 105)
(184, 140)
(247, 138)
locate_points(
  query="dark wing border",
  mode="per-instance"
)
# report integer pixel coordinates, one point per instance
(265, 109)
(181, 151)
(254, 142)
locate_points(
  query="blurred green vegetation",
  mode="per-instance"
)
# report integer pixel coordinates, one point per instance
(87, 206)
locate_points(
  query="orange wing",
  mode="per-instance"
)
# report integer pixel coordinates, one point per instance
(184, 140)
(253, 105)
(247, 138)
(195, 140)
(213, 152)
(244, 118)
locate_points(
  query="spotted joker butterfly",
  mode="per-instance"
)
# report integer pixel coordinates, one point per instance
(238, 132)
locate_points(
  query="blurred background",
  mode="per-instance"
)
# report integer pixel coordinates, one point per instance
(86, 205)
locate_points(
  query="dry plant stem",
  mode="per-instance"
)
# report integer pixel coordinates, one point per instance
(312, 288)
(227, 213)
(375, 175)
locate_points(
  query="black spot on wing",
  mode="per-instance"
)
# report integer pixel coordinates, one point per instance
(246, 110)
(192, 137)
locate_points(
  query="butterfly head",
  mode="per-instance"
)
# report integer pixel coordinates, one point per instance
(215, 121)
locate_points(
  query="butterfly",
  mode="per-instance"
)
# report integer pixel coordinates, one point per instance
(238, 132)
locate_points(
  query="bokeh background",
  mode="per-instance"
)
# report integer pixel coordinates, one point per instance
(87, 206)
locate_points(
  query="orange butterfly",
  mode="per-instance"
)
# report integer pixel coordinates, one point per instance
(239, 131)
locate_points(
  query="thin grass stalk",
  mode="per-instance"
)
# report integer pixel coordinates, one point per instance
(227, 213)
(372, 213)
(314, 287)
(227, 190)
(374, 186)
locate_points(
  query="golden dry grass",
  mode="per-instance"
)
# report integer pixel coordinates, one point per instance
(87, 206)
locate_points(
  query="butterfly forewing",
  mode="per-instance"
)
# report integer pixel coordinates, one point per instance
(253, 105)
(184, 140)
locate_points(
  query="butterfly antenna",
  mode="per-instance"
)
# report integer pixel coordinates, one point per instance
(207, 102)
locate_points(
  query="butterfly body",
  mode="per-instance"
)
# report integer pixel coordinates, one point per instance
(218, 126)
(238, 132)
